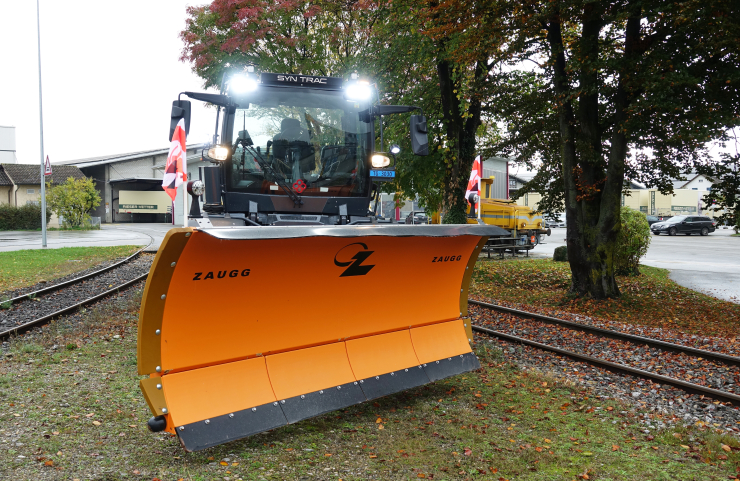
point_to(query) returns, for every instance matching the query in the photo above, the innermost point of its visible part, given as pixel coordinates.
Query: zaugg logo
(355, 268)
(447, 259)
(221, 274)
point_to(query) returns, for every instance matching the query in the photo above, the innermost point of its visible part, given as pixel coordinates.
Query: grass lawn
(27, 267)
(651, 299)
(76, 413)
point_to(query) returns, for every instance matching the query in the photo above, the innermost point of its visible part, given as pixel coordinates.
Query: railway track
(36, 308)
(619, 368)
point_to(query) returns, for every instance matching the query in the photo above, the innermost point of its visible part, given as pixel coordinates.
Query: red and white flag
(474, 182)
(175, 171)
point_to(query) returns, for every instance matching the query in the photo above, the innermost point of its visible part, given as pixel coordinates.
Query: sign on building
(144, 202)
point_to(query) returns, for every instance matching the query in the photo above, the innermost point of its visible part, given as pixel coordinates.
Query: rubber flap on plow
(248, 329)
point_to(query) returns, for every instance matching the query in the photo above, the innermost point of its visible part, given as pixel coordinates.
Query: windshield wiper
(279, 179)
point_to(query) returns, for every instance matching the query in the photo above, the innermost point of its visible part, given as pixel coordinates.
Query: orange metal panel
(214, 391)
(381, 354)
(308, 370)
(258, 300)
(440, 341)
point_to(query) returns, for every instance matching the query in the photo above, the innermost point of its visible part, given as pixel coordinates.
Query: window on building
(701, 180)
(30, 191)
(512, 183)
(694, 188)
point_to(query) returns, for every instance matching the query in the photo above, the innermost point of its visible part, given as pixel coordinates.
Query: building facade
(130, 185)
(20, 184)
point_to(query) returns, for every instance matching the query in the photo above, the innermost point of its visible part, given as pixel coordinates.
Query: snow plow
(283, 300)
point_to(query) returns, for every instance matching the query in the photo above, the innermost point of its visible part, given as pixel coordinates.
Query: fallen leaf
(379, 420)
(89, 415)
(49, 463)
(97, 423)
(615, 447)
(726, 448)
(467, 452)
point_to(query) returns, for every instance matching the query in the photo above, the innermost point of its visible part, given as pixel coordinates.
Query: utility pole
(42, 177)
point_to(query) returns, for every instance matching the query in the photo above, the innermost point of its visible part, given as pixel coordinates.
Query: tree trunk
(591, 206)
(460, 136)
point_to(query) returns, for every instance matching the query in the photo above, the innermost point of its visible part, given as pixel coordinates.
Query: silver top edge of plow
(292, 232)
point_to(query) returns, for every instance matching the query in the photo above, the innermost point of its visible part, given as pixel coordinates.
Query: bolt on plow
(246, 329)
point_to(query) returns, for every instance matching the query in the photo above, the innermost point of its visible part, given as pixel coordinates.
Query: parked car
(554, 223)
(684, 224)
(652, 219)
(417, 218)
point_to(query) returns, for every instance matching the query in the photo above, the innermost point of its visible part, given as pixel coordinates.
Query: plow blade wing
(243, 330)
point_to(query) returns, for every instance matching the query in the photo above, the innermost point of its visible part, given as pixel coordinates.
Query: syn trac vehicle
(260, 313)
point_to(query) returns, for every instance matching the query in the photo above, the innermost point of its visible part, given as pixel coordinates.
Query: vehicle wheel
(688, 233)
(704, 231)
(672, 231)
(656, 233)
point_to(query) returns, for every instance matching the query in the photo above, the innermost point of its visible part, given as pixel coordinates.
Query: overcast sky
(110, 72)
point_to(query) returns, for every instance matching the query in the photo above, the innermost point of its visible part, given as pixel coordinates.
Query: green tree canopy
(73, 200)
(619, 89)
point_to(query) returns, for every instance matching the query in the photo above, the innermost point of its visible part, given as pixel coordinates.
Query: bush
(72, 200)
(25, 217)
(561, 254)
(632, 242)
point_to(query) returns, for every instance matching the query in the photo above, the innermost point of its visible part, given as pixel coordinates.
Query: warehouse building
(130, 185)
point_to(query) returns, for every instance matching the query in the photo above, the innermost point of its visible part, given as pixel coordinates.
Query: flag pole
(185, 187)
(42, 170)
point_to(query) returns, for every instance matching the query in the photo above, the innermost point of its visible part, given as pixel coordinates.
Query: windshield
(674, 220)
(315, 141)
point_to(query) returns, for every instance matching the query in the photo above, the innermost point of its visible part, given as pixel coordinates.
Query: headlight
(242, 84)
(358, 91)
(218, 152)
(379, 160)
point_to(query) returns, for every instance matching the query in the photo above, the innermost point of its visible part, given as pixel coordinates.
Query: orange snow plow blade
(243, 330)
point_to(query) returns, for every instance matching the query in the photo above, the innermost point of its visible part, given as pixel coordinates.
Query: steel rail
(41, 320)
(666, 346)
(619, 368)
(56, 287)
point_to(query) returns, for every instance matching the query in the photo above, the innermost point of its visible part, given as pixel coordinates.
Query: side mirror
(180, 110)
(419, 138)
(244, 136)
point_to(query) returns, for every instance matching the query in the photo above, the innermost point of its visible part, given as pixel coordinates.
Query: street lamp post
(42, 172)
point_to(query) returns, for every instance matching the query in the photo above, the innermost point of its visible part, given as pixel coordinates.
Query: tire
(688, 233)
(672, 231)
(656, 233)
(704, 231)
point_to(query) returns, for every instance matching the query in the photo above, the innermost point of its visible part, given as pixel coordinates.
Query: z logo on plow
(355, 263)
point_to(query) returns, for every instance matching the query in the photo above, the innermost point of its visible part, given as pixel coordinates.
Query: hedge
(25, 217)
